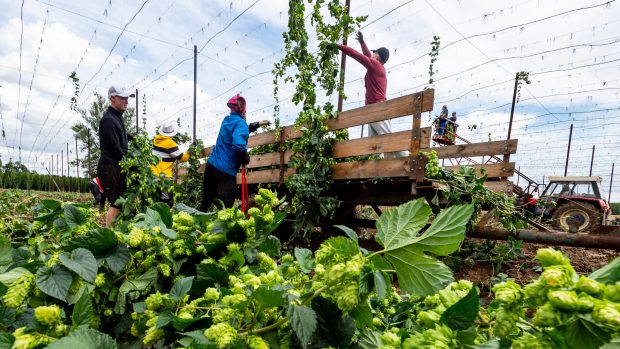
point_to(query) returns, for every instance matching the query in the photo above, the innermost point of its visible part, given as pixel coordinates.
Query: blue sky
(570, 48)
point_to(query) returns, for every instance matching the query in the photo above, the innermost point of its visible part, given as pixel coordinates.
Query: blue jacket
(231, 144)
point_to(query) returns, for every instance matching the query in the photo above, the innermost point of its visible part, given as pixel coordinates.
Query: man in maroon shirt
(375, 80)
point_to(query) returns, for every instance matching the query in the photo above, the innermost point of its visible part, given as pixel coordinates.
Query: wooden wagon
(387, 181)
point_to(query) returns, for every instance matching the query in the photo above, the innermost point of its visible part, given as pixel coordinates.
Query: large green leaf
(608, 274)
(269, 298)
(82, 262)
(10, 276)
(584, 333)
(303, 321)
(97, 241)
(164, 213)
(74, 216)
(6, 251)
(370, 339)
(399, 226)
(462, 314)
(447, 231)
(6, 340)
(54, 281)
(362, 315)
(117, 258)
(181, 288)
(84, 338)
(304, 258)
(271, 246)
(418, 273)
(333, 329)
(83, 312)
(350, 232)
(210, 275)
(140, 283)
(51, 204)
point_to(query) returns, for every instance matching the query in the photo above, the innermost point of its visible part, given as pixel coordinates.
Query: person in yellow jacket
(167, 150)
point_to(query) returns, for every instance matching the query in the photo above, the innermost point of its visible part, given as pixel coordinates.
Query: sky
(571, 49)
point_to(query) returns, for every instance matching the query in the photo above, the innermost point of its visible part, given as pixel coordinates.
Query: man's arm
(255, 125)
(109, 137)
(364, 60)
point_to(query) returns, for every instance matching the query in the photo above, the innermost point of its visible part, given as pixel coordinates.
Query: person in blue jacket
(229, 153)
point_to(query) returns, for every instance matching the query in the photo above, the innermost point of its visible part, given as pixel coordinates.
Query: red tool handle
(245, 199)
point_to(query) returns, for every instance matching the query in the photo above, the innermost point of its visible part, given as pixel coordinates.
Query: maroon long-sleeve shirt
(375, 79)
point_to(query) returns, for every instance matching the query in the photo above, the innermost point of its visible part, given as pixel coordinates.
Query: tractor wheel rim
(582, 218)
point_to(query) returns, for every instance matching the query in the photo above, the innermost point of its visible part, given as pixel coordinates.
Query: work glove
(243, 157)
(255, 125)
(331, 46)
(359, 37)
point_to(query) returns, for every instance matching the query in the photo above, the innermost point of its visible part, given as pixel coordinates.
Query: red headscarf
(233, 104)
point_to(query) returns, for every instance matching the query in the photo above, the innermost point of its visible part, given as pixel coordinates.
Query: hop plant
(440, 337)
(211, 294)
(558, 276)
(391, 338)
(508, 292)
(223, 334)
(157, 301)
(135, 236)
(100, 280)
(548, 257)
(589, 286)
(48, 315)
(18, 291)
(530, 341)
(548, 316)
(256, 342)
(505, 322)
(152, 335)
(564, 300)
(612, 292)
(607, 313)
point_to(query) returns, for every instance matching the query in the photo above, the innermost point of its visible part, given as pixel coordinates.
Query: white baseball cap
(119, 91)
(167, 130)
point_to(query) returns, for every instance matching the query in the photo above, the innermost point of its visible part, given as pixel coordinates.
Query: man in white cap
(168, 151)
(113, 143)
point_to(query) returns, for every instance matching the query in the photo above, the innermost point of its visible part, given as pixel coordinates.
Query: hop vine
(434, 53)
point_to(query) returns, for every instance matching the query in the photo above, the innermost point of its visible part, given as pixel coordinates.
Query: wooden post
(137, 128)
(343, 64)
(570, 138)
(506, 159)
(51, 173)
(195, 82)
(77, 165)
(62, 169)
(282, 150)
(68, 169)
(592, 159)
(90, 172)
(57, 167)
(611, 181)
(416, 165)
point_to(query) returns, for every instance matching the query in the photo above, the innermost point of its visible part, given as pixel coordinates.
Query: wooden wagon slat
(492, 170)
(477, 149)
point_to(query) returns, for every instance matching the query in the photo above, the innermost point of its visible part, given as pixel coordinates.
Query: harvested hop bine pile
(186, 279)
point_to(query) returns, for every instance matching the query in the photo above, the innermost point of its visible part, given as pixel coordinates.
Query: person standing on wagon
(375, 81)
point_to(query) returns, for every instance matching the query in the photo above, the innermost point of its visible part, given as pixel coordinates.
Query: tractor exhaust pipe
(607, 241)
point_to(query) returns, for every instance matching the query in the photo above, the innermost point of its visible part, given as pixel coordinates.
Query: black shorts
(112, 181)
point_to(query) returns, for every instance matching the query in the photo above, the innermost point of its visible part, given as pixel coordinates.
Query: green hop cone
(505, 322)
(223, 334)
(612, 292)
(548, 316)
(607, 313)
(585, 302)
(48, 315)
(530, 341)
(18, 291)
(152, 335)
(548, 257)
(589, 286)
(564, 300)
(256, 342)
(558, 276)
(211, 295)
(390, 339)
(508, 292)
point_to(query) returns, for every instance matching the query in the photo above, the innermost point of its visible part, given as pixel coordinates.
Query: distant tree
(14, 167)
(615, 208)
(90, 121)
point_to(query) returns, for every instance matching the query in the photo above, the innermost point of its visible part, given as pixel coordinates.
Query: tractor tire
(586, 214)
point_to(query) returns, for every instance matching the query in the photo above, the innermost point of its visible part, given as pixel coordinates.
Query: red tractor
(573, 203)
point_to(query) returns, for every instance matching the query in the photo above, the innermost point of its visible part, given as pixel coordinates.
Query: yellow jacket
(168, 151)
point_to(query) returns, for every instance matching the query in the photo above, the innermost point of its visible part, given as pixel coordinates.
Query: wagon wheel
(587, 216)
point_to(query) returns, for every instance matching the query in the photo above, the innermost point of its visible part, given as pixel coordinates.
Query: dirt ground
(525, 269)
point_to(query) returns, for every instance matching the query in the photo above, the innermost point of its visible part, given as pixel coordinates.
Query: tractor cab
(577, 199)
